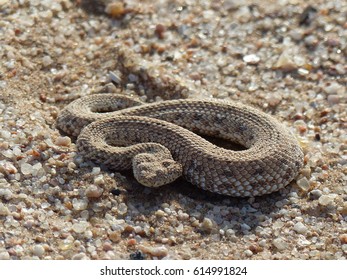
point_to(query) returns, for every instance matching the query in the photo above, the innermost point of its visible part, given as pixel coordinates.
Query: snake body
(159, 141)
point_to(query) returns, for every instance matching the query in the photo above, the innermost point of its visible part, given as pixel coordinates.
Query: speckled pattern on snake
(159, 141)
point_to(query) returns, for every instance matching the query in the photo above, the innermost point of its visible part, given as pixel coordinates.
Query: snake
(162, 141)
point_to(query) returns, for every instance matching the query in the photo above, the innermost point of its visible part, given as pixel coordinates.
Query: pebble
(93, 192)
(79, 204)
(248, 253)
(303, 184)
(207, 225)
(80, 227)
(38, 250)
(333, 88)
(4, 256)
(160, 213)
(47, 60)
(315, 194)
(4, 210)
(343, 238)
(7, 168)
(326, 199)
(300, 228)
(333, 99)
(115, 236)
(159, 252)
(122, 209)
(280, 243)
(63, 141)
(80, 256)
(26, 168)
(285, 63)
(251, 59)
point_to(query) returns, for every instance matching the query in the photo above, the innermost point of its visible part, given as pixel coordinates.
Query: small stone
(79, 204)
(207, 225)
(343, 238)
(122, 209)
(245, 227)
(107, 246)
(326, 199)
(285, 63)
(280, 243)
(8, 168)
(315, 194)
(311, 41)
(46, 61)
(115, 9)
(303, 72)
(4, 256)
(26, 168)
(80, 256)
(333, 99)
(80, 227)
(38, 250)
(93, 192)
(63, 141)
(115, 236)
(99, 180)
(159, 252)
(333, 88)
(251, 59)
(300, 228)
(248, 253)
(3, 210)
(303, 184)
(96, 170)
(160, 213)
(160, 31)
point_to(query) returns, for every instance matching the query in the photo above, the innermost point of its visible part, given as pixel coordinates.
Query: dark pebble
(115, 192)
(307, 15)
(138, 255)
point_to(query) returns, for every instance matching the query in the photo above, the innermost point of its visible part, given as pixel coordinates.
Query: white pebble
(248, 253)
(333, 88)
(4, 256)
(280, 243)
(326, 199)
(26, 168)
(93, 191)
(96, 170)
(80, 256)
(5, 134)
(47, 60)
(3, 210)
(251, 59)
(122, 208)
(38, 250)
(303, 184)
(79, 204)
(80, 227)
(300, 228)
(160, 251)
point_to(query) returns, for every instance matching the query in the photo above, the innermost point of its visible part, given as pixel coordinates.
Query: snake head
(152, 170)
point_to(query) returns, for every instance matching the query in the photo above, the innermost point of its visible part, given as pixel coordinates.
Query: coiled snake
(159, 141)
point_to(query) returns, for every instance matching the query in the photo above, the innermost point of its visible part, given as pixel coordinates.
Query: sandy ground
(285, 57)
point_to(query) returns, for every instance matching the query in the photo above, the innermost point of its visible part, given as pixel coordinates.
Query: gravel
(287, 58)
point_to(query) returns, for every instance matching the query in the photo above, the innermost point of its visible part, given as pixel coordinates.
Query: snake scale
(160, 142)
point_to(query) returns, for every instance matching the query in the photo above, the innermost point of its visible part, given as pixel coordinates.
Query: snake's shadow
(243, 215)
